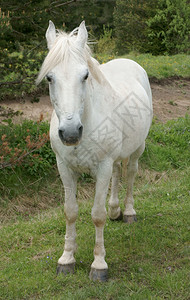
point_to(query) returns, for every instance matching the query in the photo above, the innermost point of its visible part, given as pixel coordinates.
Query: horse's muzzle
(70, 136)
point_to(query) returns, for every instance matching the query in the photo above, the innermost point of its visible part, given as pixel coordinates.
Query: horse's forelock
(65, 44)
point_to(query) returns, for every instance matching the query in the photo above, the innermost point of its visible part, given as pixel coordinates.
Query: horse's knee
(99, 217)
(114, 210)
(71, 212)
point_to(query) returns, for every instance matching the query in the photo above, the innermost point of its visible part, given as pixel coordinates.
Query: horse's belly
(135, 136)
(135, 113)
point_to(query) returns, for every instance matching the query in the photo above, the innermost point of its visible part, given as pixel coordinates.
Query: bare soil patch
(171, 99)
(27, 109)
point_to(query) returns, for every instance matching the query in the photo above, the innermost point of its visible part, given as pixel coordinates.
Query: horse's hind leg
(129, 213)
(114, 210)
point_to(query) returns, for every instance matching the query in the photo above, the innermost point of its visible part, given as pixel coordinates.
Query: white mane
(63, 47)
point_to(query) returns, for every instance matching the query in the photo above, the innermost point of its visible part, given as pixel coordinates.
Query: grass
(168, 145)
(160, 67)
(147, 260)
(164, 66)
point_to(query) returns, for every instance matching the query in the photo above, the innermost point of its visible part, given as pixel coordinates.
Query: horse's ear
(50, 34)
(82, 36)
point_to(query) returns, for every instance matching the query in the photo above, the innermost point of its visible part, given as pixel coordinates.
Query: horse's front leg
(66, 262)
(99, 267)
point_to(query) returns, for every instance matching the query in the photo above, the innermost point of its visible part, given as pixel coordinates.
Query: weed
(171, 102)
(26, 143)
(25, 155)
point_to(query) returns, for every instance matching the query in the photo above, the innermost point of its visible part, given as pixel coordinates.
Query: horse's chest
(103, 141)
(83, 158)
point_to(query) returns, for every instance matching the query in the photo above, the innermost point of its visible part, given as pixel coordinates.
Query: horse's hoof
(119, 218)
(66, 269)
(99, 275)
(129, 219)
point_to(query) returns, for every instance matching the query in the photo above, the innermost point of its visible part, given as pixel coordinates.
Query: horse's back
(126, 74)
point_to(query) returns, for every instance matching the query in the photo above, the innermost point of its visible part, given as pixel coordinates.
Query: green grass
(164, 66)
(168, 145)
(147, 260)
(159, 67)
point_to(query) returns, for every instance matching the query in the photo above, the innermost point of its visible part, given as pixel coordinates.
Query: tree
(130, 24)
(169, 28)
(23, 26)
(160, 28)
(28, 20)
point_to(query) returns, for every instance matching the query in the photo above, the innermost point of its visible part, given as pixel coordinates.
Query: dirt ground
(171, 99)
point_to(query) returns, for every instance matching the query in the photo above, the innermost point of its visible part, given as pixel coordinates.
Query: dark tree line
(26, 21)
(119, 26)
(156, 26)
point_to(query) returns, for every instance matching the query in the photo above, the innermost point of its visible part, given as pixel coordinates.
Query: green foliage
(135, 26)
(130, 24)
(19, 71)
(169, 29)
(106, 43)
(27, 21)
(160, 28)
(25, 156)
(27, 65)
(22, 36)
(25, 147)
(105, 47)
(168, 145)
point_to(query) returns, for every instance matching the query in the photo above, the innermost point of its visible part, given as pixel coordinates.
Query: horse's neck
(99, 97)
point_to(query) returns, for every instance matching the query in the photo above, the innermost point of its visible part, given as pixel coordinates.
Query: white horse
(102, 114)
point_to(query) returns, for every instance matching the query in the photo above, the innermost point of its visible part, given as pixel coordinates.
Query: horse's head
(66, 70)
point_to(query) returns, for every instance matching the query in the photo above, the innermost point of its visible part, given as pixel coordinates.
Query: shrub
(106, 43)
(26, 147)
(19, 71)
(105, 47)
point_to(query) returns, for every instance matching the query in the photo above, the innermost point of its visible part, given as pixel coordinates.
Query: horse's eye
(86, 76)
(49, 78)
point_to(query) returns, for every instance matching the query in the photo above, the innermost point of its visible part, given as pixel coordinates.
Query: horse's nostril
(80, 130)
(61, 133)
